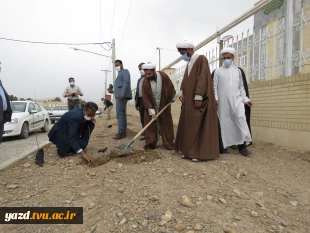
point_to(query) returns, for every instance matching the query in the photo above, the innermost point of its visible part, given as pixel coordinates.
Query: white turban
(148, 66)
(228, 50)
(185, 45)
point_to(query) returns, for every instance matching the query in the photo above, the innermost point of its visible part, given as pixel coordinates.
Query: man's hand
(216, 103)
(93, 119)
(198, 103)
(182, 99)
(154, 116)
(77, 93)
(122, 96)
(68, 94)
(249, 103)
(88, 158)
(137, 108)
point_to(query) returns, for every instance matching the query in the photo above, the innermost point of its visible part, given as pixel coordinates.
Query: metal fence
(275, 49)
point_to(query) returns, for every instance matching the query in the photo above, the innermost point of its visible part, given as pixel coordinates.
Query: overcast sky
(29, 69)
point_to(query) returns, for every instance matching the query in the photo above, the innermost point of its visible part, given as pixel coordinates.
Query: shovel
(127, 149)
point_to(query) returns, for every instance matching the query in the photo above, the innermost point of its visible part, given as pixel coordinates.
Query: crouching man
(72, 132)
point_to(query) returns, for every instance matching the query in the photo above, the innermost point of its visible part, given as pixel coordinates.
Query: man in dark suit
(72, 132)
(122, 92)
(138, 98)
(5, 109)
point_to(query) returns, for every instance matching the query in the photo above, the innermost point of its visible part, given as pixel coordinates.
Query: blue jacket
(71, 132)
(5, 116)
(122, 84)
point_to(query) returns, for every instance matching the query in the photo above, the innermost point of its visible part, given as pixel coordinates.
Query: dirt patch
(130, 133)
(99, 161)
(138, 156)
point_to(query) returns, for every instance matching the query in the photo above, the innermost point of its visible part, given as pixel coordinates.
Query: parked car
(49, 109)
(98, 112)
(57, 113)
(27, 116)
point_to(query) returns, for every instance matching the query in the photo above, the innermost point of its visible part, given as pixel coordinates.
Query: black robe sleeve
(247, 108)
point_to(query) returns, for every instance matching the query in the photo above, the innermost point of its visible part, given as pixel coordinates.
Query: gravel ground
(12, 146)
(159, 192)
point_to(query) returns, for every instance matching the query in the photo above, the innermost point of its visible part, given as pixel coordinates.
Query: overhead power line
(109, 44)
(112, 20)
(125, 24)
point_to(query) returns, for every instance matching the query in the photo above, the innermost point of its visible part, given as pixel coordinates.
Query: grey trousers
(73, 104)
(121, 115)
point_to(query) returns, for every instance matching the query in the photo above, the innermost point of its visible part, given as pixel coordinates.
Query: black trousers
(1, 130)
(141, 111)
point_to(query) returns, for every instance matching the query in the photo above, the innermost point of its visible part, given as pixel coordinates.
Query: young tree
(57, 99)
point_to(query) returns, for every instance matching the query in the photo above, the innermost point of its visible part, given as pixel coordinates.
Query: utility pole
(113, 70)
(159, 58)
(106, 81)
(113, 60)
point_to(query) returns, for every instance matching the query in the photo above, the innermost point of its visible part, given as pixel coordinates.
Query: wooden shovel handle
(153, 119)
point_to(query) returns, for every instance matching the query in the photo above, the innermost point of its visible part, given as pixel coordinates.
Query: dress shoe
(245, 152)
(196, 160)
(119, 136)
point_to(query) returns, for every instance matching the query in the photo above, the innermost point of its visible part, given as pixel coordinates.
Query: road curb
(22, 155)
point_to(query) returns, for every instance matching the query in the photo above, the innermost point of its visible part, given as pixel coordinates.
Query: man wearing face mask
(122, 92)
(72, 132)
(73, 92)
(139, 99)
(157, 91)
(231, 98)
(197, 135)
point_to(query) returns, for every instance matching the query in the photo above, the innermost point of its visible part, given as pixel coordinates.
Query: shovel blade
(124, 148)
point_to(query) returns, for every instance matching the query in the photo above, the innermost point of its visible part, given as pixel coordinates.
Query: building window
(242, 59)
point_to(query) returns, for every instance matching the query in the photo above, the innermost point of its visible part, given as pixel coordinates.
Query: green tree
(12, 98)
(28, 99)
(57, 99)
(22, 99)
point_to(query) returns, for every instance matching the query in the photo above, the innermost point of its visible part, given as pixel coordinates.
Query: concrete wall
(281, 112)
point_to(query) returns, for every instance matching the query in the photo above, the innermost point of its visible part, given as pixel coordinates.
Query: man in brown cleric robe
(157, 92)
(197, 135)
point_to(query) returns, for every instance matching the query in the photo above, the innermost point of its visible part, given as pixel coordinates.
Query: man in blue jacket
(72, 132)
(5, 109)
(122, 92)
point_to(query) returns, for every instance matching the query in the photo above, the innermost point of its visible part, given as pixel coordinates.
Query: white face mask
(87, 118)
(142, 72)
(118, 68)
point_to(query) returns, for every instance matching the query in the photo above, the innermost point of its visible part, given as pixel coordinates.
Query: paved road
(13, 146)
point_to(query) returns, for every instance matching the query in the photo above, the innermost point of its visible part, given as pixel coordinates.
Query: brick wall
(282, 103)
